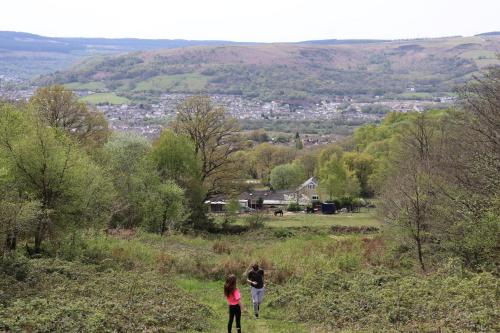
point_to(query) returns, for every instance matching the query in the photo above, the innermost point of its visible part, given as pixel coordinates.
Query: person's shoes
(256, 316)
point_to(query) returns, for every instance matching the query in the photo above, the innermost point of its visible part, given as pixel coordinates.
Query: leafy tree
(50, 167)
(287, 176)
(336, 180)
(134, 177)
(231, 212)
(363, 165)
(309, 160)
(18, 214)
(175, 158)
(60, 108)
(266, 156)
(165, 208)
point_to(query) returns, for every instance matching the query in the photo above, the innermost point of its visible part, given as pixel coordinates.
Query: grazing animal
(310, 210)
(278, 212)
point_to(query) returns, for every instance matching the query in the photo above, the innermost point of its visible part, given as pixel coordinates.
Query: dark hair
(255, 267)
(230, 285)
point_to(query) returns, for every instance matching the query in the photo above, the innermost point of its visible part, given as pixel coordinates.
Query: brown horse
(278, 212)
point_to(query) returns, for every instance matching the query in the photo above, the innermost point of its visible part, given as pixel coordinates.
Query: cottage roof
(312, 180)
(265, 195)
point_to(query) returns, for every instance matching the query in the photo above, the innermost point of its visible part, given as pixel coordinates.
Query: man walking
(256, 279)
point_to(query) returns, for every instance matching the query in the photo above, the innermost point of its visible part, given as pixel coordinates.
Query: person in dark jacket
(255, 277)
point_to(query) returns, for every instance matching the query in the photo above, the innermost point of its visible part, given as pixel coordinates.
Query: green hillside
(294, 71)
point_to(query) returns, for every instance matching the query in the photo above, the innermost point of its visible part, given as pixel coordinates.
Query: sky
(251, 20)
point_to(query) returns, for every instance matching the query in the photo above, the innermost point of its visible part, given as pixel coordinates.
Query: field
(102, 98)
(317, 280)
(296, 220)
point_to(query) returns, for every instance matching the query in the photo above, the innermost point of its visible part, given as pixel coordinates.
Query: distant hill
(27, 55)
(492, 33)
(308, 71)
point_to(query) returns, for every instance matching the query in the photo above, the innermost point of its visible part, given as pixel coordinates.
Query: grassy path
(210, 294)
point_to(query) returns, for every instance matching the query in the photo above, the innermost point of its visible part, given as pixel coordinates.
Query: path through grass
(210, 293)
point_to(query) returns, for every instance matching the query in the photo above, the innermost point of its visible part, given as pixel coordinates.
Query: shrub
(283, 233)
(255, 220)
(15, 266)
(380, 301)
(70, 297)
(294, 207)
(221, 247)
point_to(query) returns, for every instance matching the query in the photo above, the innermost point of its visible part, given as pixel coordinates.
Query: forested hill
(307, 71)
(25, 55)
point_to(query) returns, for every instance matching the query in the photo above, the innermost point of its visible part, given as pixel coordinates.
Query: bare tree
(60, 108)
(215, 137)
(409, 194)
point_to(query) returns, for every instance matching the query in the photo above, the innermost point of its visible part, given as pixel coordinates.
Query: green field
(102, 98)
(180, 82)
(416, 95)
(294, 220)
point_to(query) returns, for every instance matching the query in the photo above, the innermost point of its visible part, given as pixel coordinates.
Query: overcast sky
(251, 20)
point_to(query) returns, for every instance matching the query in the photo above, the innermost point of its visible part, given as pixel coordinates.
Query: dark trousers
(234, 311)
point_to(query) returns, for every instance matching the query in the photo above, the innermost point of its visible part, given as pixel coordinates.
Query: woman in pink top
(234, 300)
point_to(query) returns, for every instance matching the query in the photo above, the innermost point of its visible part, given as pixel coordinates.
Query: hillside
(309, 71)
(26, 55)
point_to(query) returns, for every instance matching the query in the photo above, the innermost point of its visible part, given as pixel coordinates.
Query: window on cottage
(315, 197)
(311, 186)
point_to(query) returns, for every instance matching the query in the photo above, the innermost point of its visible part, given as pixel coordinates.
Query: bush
(14, 266)
(69, 297)
(283, 233)
(255, 220)
(380, 301)
(294, 207)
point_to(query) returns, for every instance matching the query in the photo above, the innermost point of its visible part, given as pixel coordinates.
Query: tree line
(62, 170)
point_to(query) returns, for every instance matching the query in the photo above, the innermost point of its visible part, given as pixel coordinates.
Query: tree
(479, 134)
(165, 208)
(60, 108)
(287, 176)
(336, 180)
(409, 195)
(18, 213)
(362, 165)
(266, 156)
(309, 160)
(134, 176)
(216, 140)
(175, 159)
(232, 210)
(50, 167)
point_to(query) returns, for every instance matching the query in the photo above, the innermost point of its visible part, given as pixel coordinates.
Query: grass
(102, 98)
(294, 220)
(174, 83)
(209, 293)
(415, 95)
(130, 280)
